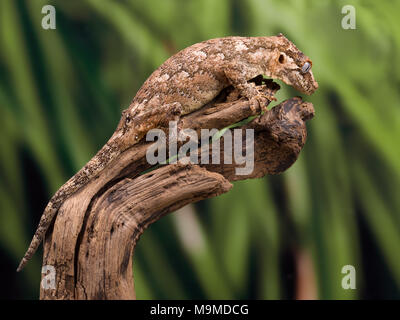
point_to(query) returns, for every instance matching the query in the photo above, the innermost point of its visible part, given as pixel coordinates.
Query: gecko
(185, 82)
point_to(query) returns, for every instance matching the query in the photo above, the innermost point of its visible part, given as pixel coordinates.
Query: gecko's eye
(306, 67)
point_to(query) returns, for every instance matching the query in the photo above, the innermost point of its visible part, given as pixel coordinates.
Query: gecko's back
(194, 75)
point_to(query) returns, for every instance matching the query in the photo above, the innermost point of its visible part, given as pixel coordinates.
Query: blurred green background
(281, 237)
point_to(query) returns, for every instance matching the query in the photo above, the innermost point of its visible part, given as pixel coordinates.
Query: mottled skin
(186, 82)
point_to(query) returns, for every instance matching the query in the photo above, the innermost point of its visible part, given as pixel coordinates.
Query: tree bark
(92, 240)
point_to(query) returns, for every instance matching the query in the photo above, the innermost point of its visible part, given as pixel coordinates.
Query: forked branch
(94, 236)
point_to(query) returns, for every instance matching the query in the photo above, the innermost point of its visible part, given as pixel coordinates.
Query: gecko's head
(289, 64)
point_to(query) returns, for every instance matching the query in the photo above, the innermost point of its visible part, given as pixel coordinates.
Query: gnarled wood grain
(93, 238)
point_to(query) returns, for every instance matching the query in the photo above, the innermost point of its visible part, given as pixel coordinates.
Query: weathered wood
(121, 215)
(93, 238)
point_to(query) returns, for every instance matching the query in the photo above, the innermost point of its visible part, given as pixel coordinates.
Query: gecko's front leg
(258, 98)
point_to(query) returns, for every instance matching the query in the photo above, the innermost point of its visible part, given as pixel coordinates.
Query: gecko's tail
(81, 178)
(44, 223)
(29, 253)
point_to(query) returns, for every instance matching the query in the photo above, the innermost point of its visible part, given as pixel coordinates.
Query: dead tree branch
(94, 235)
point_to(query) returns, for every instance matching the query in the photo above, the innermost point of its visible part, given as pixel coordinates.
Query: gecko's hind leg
(134, 128)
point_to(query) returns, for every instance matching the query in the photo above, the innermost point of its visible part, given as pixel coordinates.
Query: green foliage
(61, 93)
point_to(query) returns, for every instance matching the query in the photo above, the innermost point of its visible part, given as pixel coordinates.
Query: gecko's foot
(269, 96)
(255, 105)
(266, 92)
(260, 102)
(259, 96)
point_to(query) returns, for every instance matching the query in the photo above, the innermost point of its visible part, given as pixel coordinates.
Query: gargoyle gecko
(187, 81)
